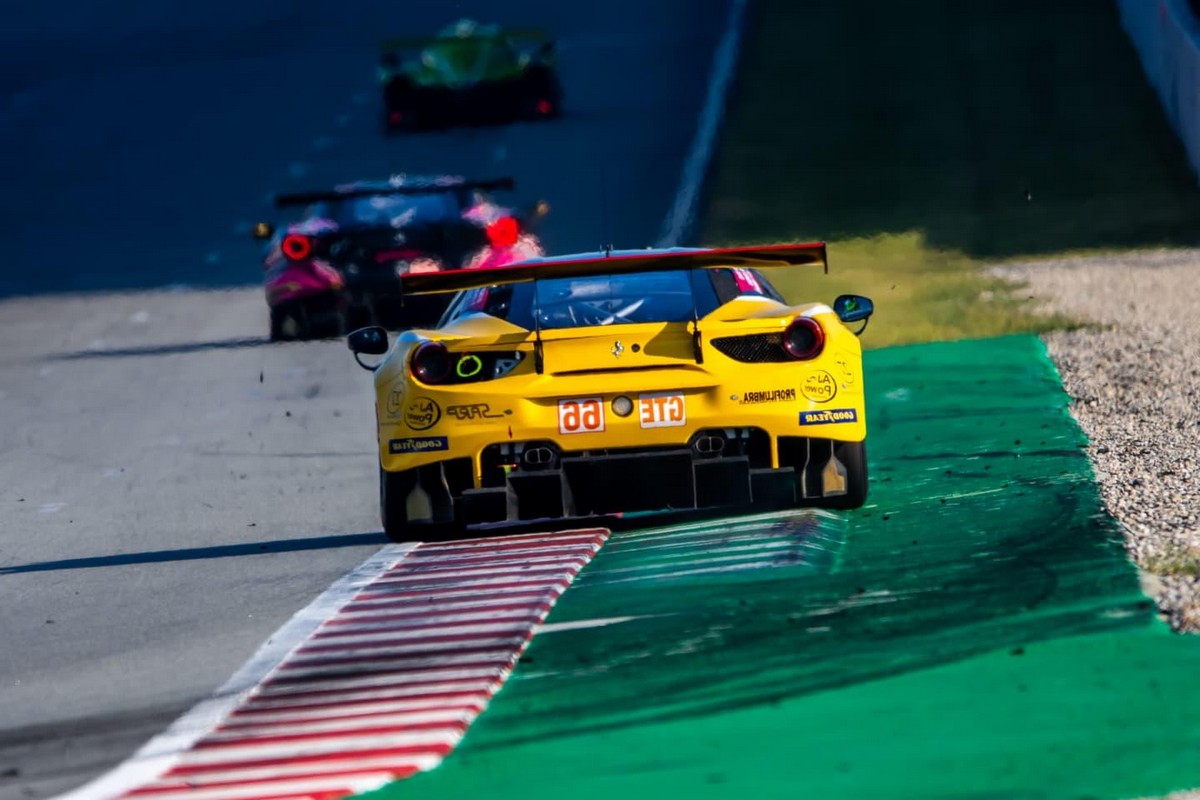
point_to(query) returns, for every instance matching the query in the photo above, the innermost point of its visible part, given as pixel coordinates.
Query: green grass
(921, 293)
(908, 134)
(1179, 562)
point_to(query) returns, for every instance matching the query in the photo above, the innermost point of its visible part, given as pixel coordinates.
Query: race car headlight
(430, 362)
(622, 406)
(804, 339)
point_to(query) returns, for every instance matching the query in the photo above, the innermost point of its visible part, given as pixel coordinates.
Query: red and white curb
(377, 679)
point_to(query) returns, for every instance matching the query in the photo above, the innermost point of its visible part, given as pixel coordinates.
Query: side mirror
(263, 231)
(854, 308)
(371, 341)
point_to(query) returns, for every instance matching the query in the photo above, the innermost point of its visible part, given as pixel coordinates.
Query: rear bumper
(580, 485)
(483, 102)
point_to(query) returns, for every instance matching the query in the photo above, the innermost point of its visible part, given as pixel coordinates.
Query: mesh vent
(756, 348)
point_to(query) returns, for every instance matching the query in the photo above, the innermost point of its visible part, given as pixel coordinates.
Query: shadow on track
(201, 553)
(166, 349)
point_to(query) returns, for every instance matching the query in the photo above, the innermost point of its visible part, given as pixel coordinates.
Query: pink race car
(338, 267)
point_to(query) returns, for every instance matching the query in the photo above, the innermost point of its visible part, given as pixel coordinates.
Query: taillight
(431, 362)
(296, 246)
(804, 339)
(503, 232)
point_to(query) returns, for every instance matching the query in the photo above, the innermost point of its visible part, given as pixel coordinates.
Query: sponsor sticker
(475, 411)
(422, 414)
(418, 444)
(828, 416)
(845, 367)
(819, 386)
(395, 401)
(767, 396)
(581, 415)
(662, 410)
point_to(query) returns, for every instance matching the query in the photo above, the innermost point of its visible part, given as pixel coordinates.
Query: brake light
(430, 362)
(804, 339)
(296, 246)
(544, 107)
(503, 232)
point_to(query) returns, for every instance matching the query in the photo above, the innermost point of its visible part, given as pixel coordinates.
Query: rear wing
(623, 263)
(410, 43)
(427, 187)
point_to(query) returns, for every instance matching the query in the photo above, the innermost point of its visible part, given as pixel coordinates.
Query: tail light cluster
(802, 340)
(503, 232)
(432, 364)
(296, 246)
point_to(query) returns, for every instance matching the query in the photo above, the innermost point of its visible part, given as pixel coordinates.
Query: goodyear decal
(819, 386)
(828, 416)
(422, 414)
(768, 396)
(418, 444)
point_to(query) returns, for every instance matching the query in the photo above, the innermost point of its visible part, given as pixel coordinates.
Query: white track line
(369, 683)
(679, 219)
(163, 751)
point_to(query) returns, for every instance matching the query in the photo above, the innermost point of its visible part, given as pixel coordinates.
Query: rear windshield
(593, 300)
(394, 210)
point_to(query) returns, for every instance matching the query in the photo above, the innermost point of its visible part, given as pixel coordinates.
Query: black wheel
(394, 490)
(357, 316)
(853, 456)
(403, 109)
(542, 94)
(289, 323)
(327, 327)
(276, 325)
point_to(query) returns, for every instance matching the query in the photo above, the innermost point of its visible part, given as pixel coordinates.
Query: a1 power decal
(581, 415)
(662, 410)
(819, 386)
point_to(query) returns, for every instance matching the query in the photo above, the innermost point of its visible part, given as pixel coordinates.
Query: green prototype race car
(469, 74)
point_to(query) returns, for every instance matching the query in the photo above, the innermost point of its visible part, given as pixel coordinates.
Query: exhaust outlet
(709, 445)
(538, 456)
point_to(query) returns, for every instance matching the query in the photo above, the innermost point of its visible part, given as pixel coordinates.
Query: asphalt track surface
(173, 486)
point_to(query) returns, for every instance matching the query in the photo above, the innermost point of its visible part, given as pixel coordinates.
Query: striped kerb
(389, 684)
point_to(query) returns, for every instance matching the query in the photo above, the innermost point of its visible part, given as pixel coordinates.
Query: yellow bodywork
(653, 365)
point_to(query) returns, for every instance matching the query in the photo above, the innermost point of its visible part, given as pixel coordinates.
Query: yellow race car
(626, 381)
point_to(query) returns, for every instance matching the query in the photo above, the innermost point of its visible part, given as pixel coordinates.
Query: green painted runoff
(975, 631)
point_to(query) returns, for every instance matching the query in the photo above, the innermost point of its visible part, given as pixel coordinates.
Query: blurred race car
(468, 74)
(338, 267)
(597, 385)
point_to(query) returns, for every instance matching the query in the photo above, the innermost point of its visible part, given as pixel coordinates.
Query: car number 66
(581, 415)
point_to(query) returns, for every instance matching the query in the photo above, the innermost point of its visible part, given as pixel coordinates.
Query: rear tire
(393, 501)
(404, 107)
(289, 323)
(357, 316)
(853, 456)
(540, 85)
